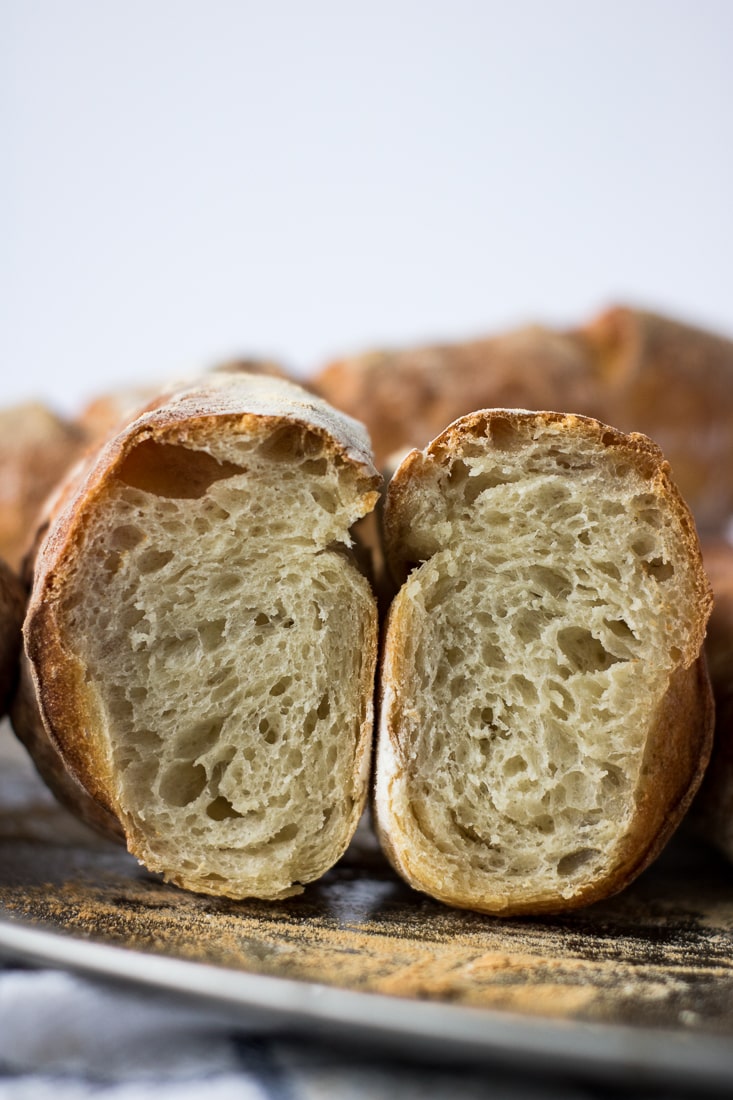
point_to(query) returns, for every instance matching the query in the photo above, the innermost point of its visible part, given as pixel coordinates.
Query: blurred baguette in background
(635, 370)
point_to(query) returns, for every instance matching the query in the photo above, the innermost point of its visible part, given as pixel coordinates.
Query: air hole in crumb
(561, 701)
(515, 765)
(503, 433)
(315, 466)
(171, 470)
(126, 537)
(643, 546)
(111, 564)
(612, 778)
(201, 737)
(279, 687)
(212, 634)
(310, 723)
(527, 626)
(659, 569)
(224, 582)
(551, 580)
(146, 739)
(492, 655)
(487, 716)
(151, 561)
(584, 652)
(568, 461)
(221, 809)
(651, 517)
(182, 783)
(574, 861)
(480, 483)
(621, 629)
(608, 569)
(325, 499)
(525, 687)
(130, 617)
(288, 832)
(288, 444)
(458, 473)
(324, 707)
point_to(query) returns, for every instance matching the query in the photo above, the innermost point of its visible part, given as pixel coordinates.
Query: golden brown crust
(627, 367)
(674, 382)
(12, 609)
(55, 711)
(679, 738)
(51, 764)
(108, 413)
(37, 448)
(406, 397)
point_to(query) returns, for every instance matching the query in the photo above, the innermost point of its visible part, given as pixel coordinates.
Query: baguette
(200, 645)
(637, 370)
(37, 448)
(545, 714)
(406, 397)
(673, 382)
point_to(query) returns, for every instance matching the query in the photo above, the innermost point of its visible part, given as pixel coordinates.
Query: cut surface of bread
(545, 714)
(201, 642)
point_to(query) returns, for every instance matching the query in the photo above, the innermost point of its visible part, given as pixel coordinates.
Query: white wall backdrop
(183, 180)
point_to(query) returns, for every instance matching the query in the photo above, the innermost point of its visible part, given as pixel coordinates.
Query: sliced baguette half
(200, 644)
(546, 714)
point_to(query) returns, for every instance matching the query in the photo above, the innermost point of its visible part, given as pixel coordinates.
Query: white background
(184, 180)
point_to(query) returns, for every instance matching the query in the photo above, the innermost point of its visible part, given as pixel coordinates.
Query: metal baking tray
(638, 988)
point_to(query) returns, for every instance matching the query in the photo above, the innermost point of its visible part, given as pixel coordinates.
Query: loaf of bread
(673, 382)
(406, 397)
(107, 413)
(627, 367)
(37, 448)
(200, 644)
(12, 606)
(713, 811)
(546, 714)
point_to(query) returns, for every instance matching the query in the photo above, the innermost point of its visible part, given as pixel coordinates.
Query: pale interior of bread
(225, 632)
(531, 651)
